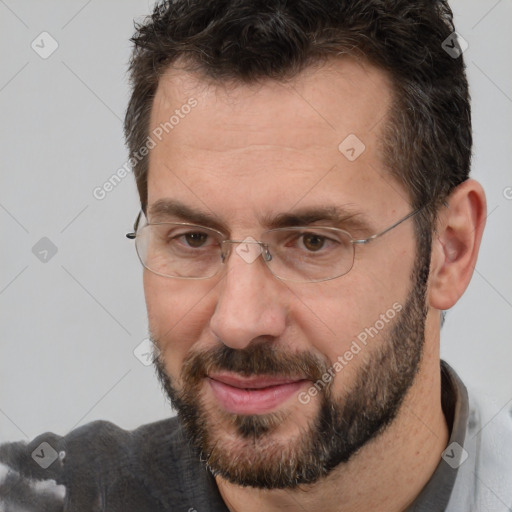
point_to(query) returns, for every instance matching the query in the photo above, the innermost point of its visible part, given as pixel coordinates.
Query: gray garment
(100, 467)
(475, 470)
(104, 468)
(484, 479)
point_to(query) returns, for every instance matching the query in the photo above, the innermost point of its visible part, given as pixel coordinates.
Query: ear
(455, 244)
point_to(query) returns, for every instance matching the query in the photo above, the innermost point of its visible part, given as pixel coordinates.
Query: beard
(246, 450)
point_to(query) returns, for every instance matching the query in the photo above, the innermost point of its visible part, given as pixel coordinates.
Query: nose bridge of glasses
(248, 249)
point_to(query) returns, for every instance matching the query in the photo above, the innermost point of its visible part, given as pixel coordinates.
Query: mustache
(257, 359)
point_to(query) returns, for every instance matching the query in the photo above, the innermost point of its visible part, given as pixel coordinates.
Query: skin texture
(246, 152)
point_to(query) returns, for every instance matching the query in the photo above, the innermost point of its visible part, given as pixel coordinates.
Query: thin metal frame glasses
(303, 254)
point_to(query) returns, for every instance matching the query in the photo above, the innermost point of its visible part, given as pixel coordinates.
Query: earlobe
(455, 244)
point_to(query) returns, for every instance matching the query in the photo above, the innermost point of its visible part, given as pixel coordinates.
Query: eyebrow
(337, 216)
(163, 209)
(345, 217)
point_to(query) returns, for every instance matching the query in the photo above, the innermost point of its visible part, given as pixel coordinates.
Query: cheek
(351, 317)
(178, 314)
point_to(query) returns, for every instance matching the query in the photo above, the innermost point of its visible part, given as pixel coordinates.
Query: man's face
(240, 352)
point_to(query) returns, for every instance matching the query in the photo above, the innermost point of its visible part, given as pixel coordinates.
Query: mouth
(253, 395)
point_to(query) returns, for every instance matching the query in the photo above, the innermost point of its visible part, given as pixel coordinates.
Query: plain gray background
(70, 321)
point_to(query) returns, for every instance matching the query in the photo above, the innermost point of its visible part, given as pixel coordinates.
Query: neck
(386, 474)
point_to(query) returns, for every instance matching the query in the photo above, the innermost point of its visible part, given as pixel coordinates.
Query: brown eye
(196, 239)
(313, 242)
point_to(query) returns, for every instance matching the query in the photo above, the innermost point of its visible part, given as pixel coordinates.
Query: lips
(253, 395)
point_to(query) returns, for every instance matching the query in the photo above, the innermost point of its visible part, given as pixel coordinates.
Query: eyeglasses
(303, 254)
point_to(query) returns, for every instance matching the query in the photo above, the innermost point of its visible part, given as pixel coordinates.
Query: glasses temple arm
(377, 235)
(132, 235)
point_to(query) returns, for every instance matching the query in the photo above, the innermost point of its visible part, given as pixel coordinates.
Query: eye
(195, 239)
(190, 238)
(313, 242)
(317, 241)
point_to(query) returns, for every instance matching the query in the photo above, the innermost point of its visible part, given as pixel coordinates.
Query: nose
(250, 301)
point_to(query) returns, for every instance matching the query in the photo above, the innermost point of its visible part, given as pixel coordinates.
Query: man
(306, 217)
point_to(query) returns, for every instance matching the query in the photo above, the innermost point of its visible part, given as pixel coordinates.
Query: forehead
(344, 95)
(237, 149)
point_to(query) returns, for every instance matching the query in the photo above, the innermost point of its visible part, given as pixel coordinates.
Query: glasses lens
(300, 254)
(308, 254)
(179, 250)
